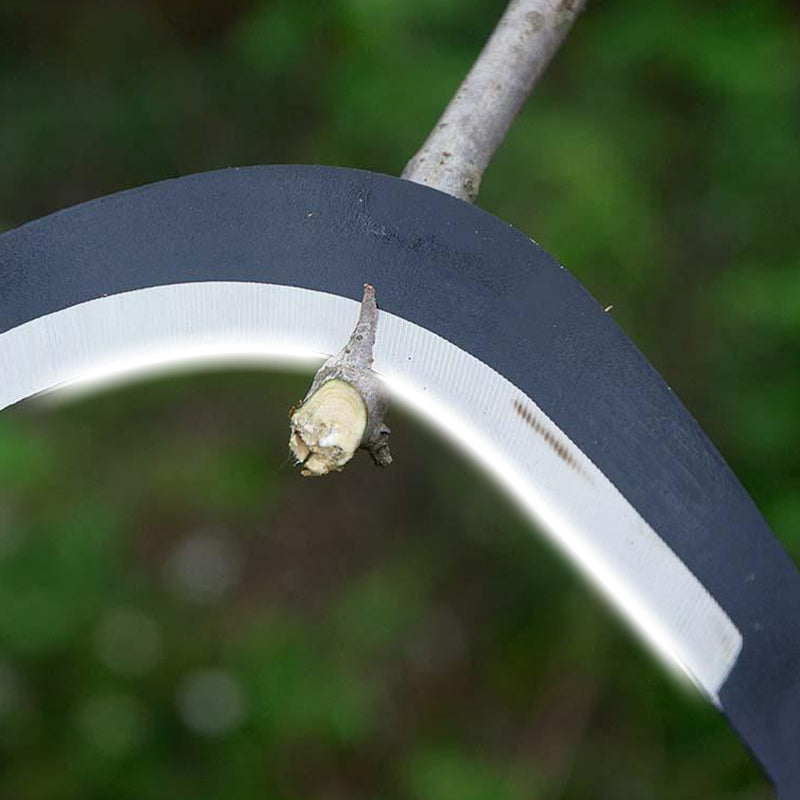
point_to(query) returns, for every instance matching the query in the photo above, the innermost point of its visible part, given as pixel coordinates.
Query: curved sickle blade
(482, 330)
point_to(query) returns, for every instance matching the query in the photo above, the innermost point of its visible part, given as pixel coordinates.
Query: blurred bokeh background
(182, 616)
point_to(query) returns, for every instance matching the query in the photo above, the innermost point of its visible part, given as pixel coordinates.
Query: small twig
(345, 407)
(476, 121)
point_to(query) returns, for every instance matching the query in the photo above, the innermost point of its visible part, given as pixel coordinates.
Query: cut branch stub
(345, 408)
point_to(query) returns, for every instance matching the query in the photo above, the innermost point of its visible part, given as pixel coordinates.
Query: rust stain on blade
(561, 449)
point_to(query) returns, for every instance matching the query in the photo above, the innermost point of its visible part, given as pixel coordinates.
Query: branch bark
(477, 119)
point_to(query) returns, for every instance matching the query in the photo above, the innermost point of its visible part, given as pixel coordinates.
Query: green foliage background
(381, 635)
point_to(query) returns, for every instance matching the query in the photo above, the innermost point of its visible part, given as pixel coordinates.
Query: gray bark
(476, 121)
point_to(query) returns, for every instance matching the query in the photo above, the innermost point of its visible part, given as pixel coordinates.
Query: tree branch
(476, 121)
(345, 407)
